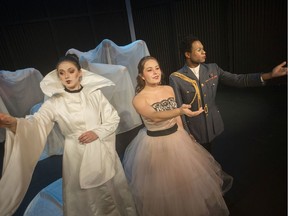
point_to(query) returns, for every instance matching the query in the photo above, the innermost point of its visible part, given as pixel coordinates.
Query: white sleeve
(22, 151)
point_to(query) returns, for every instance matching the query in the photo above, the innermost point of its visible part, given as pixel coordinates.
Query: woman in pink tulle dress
(169, 173)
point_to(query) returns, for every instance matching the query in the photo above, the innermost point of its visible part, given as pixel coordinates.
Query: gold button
(202, 84)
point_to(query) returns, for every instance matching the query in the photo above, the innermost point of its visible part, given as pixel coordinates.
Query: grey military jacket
(209, 124)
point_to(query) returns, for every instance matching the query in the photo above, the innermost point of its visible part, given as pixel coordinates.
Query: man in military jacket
(196, 84)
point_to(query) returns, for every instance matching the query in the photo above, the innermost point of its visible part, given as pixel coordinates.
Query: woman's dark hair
(71, 58)
(140, 82)
(186, 44)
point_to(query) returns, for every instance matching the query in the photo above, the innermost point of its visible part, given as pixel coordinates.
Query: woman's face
(151, 72)
(69, 75)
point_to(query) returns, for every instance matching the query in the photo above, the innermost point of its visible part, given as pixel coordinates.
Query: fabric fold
(97, 166)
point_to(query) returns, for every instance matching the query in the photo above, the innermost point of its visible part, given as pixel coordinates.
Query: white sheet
(48, 202)
(109, 53)
(19, 91)
(120, 95)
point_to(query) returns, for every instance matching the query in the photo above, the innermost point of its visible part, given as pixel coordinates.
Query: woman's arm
(145, 109)
(109, 116)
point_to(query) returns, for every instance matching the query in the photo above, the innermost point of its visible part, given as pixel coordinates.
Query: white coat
(89, 170)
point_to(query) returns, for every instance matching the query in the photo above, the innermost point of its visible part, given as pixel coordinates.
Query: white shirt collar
(195, 71)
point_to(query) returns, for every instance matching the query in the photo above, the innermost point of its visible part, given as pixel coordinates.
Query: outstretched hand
(5, 120)
(279, 70)
(8, 121)
(185, 109)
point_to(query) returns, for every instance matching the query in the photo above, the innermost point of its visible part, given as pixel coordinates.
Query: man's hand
(279, 70)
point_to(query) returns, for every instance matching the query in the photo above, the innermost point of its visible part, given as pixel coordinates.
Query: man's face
(197, 54)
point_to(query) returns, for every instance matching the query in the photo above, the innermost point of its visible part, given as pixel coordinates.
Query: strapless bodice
(166, 104)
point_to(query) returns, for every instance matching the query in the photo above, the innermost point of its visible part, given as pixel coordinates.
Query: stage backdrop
(241, 36)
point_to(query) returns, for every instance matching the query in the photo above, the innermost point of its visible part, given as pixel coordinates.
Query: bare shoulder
(138, 99)
(168, 88)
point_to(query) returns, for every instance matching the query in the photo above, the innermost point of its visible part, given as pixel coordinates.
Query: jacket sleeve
(239, 80)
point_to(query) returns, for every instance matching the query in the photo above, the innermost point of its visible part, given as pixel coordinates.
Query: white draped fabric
(48, 202)
(120, 95)
(20, 96)
(109, 53)
(55, 140)
(19, 91)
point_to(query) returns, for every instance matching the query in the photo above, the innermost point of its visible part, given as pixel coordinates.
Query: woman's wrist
(181, 112)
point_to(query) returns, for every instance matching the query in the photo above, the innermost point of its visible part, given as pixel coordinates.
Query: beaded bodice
(163, 105)
(166, 104)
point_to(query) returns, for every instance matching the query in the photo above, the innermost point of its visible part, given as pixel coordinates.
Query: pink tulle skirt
(174, 176)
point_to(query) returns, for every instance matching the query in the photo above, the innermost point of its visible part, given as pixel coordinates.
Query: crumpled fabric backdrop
(108, 52)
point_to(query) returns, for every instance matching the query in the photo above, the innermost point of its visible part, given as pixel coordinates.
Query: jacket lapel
(203, 74)
(187, 72)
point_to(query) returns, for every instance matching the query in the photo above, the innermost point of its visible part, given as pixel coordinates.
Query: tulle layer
(174, 176)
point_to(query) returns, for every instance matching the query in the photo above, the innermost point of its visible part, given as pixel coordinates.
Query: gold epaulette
(194, 84)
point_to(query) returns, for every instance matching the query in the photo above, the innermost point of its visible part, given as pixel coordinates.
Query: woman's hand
(185, 109)
(88, 137)
(8, 121)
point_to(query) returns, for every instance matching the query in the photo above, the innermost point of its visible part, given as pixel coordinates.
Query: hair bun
(70, 55)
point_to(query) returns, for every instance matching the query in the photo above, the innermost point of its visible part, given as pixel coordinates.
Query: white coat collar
(52, 85)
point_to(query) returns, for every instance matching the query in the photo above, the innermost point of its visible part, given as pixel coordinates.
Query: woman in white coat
(93, 179)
